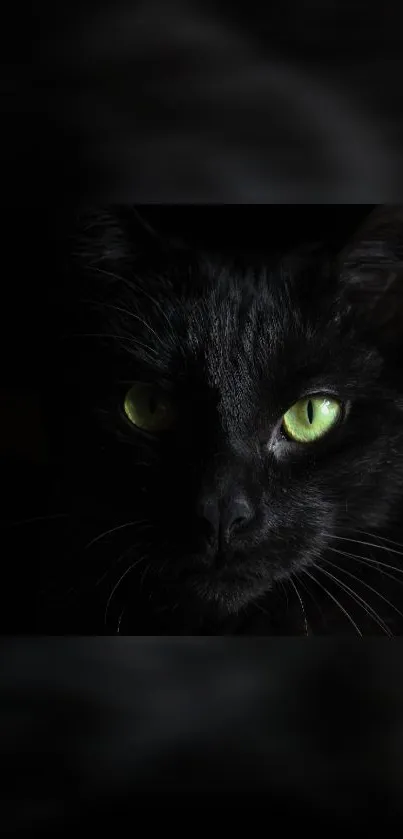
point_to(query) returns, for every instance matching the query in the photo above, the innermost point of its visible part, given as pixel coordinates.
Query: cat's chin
(222, 596)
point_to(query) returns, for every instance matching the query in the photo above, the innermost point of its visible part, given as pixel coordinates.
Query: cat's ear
(112, 235)
(371, 273)
(122, 236)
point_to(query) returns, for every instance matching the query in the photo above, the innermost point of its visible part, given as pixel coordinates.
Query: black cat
(236, 425)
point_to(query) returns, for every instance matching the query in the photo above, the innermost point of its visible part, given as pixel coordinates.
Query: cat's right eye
(149, 408)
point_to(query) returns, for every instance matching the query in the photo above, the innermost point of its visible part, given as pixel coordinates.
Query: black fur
(236, 340)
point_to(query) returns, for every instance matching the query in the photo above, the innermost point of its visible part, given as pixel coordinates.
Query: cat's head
(257, 404)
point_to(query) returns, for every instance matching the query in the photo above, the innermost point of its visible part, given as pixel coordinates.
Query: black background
(328, 738)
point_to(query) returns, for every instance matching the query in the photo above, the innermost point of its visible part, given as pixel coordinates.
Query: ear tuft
(371, 273)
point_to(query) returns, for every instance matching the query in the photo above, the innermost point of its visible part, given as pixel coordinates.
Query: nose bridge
(224, 474)
(225, 504)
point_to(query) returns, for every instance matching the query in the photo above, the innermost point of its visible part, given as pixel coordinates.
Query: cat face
(259, 414)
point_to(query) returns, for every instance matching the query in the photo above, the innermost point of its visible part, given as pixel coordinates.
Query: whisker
(301, 604)
(111, 274)
(143, 292)
(261, 609)
(146, 225)
(132, 341)
(162, 567)
(382, 538)
(369, 533)
(354, 577)
(124, 312)
(368, 560)
(120, 620)
(114, 530)
(367, 544)
(119, 582)
(311, 595)
(373, 564)
(114, 565)
(359, 600)
(337, 602)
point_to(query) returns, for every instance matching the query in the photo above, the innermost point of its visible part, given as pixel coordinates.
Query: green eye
(149, 408)
(311, 418)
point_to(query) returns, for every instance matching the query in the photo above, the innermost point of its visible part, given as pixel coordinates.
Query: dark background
(216, 102)
(179, 100)
(125, 734)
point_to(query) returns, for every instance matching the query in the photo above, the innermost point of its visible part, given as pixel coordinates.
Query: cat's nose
(225, 519)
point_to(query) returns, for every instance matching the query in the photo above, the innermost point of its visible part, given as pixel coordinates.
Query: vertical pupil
(310, 411)
(152, 404)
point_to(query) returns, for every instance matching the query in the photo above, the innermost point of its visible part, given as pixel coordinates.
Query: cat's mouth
(226, 585)
(222, 583)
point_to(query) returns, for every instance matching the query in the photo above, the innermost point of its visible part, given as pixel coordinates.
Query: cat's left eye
(311, 418)
(149, 408)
